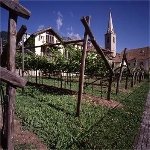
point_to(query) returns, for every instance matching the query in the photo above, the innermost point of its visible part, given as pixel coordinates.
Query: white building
(25, 37)
(45, 36)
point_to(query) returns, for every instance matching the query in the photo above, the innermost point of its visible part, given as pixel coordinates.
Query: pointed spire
(110, 25)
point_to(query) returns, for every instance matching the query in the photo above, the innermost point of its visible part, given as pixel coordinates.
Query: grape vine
(59, 62)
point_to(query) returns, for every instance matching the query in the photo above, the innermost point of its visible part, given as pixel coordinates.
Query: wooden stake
(61, 80)
(36, 76)
(97, 47)
(11, 66)
(81, 79)
(109, 87)
(126, 84)
(22, 61)
(120, 74)
(1, 47)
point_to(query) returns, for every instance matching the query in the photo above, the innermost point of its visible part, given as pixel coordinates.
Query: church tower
(110, 37)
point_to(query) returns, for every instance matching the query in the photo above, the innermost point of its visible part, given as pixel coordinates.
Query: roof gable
(138, 53)
(50, 30)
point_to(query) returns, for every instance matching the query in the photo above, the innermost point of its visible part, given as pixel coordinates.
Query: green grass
(88, 89)
(19, 146)
(52, 117)
(119, 127)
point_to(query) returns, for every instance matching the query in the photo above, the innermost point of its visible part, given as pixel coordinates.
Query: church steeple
(110, 25)
(110, 37)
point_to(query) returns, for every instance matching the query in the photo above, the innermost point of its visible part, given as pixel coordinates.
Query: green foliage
(30, 42)
(74, 60)
(118, 125)
(51, 117)
(19, 146)
(94, 63)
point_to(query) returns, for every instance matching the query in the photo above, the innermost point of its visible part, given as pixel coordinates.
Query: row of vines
(59, 62)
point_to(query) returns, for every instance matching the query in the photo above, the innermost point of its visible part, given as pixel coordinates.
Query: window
(49, 38)
(39, 37)
(114, 39)
(141, 63)
(108, 40)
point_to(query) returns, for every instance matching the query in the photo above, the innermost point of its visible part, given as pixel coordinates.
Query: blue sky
(130, 19)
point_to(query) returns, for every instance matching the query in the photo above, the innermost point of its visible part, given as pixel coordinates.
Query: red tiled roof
(91, 48)
(138, 54)
(48, 29)
(117, 58)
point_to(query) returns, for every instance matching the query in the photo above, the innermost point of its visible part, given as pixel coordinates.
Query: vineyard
(64, 73)
(49, 103)
(78, 101)
(51, 115)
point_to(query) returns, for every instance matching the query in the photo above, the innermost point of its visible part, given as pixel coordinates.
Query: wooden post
(4, 54)
(109, 87)
(22, 61)
(70, 80)
(132, 80)
(36, 76)
(11, 66)
(61, 80)
(1, 47)
(136, 77)
(140, 77)
(97, 47)
(120, 74)
(101, 87)
(20, 33)
(81, 78)
(126, 84)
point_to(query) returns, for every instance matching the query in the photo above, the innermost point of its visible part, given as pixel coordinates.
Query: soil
(95, 100)
(24, 137)
(27, 137)
(122, 90)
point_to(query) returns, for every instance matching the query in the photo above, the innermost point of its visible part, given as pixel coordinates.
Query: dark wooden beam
(125, 58)
(82, 69)
(83, 20)
(1, 47)
(121, 70)
(20, 33)
(12, 78)
(22, 61)
(3, 56)
(11, 65)
(98, 49)
(16, 8)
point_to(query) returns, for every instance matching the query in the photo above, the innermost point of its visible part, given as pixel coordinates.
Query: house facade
(46, 36)
(138, 57)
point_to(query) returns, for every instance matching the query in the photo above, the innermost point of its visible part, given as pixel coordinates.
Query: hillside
(3, 35)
